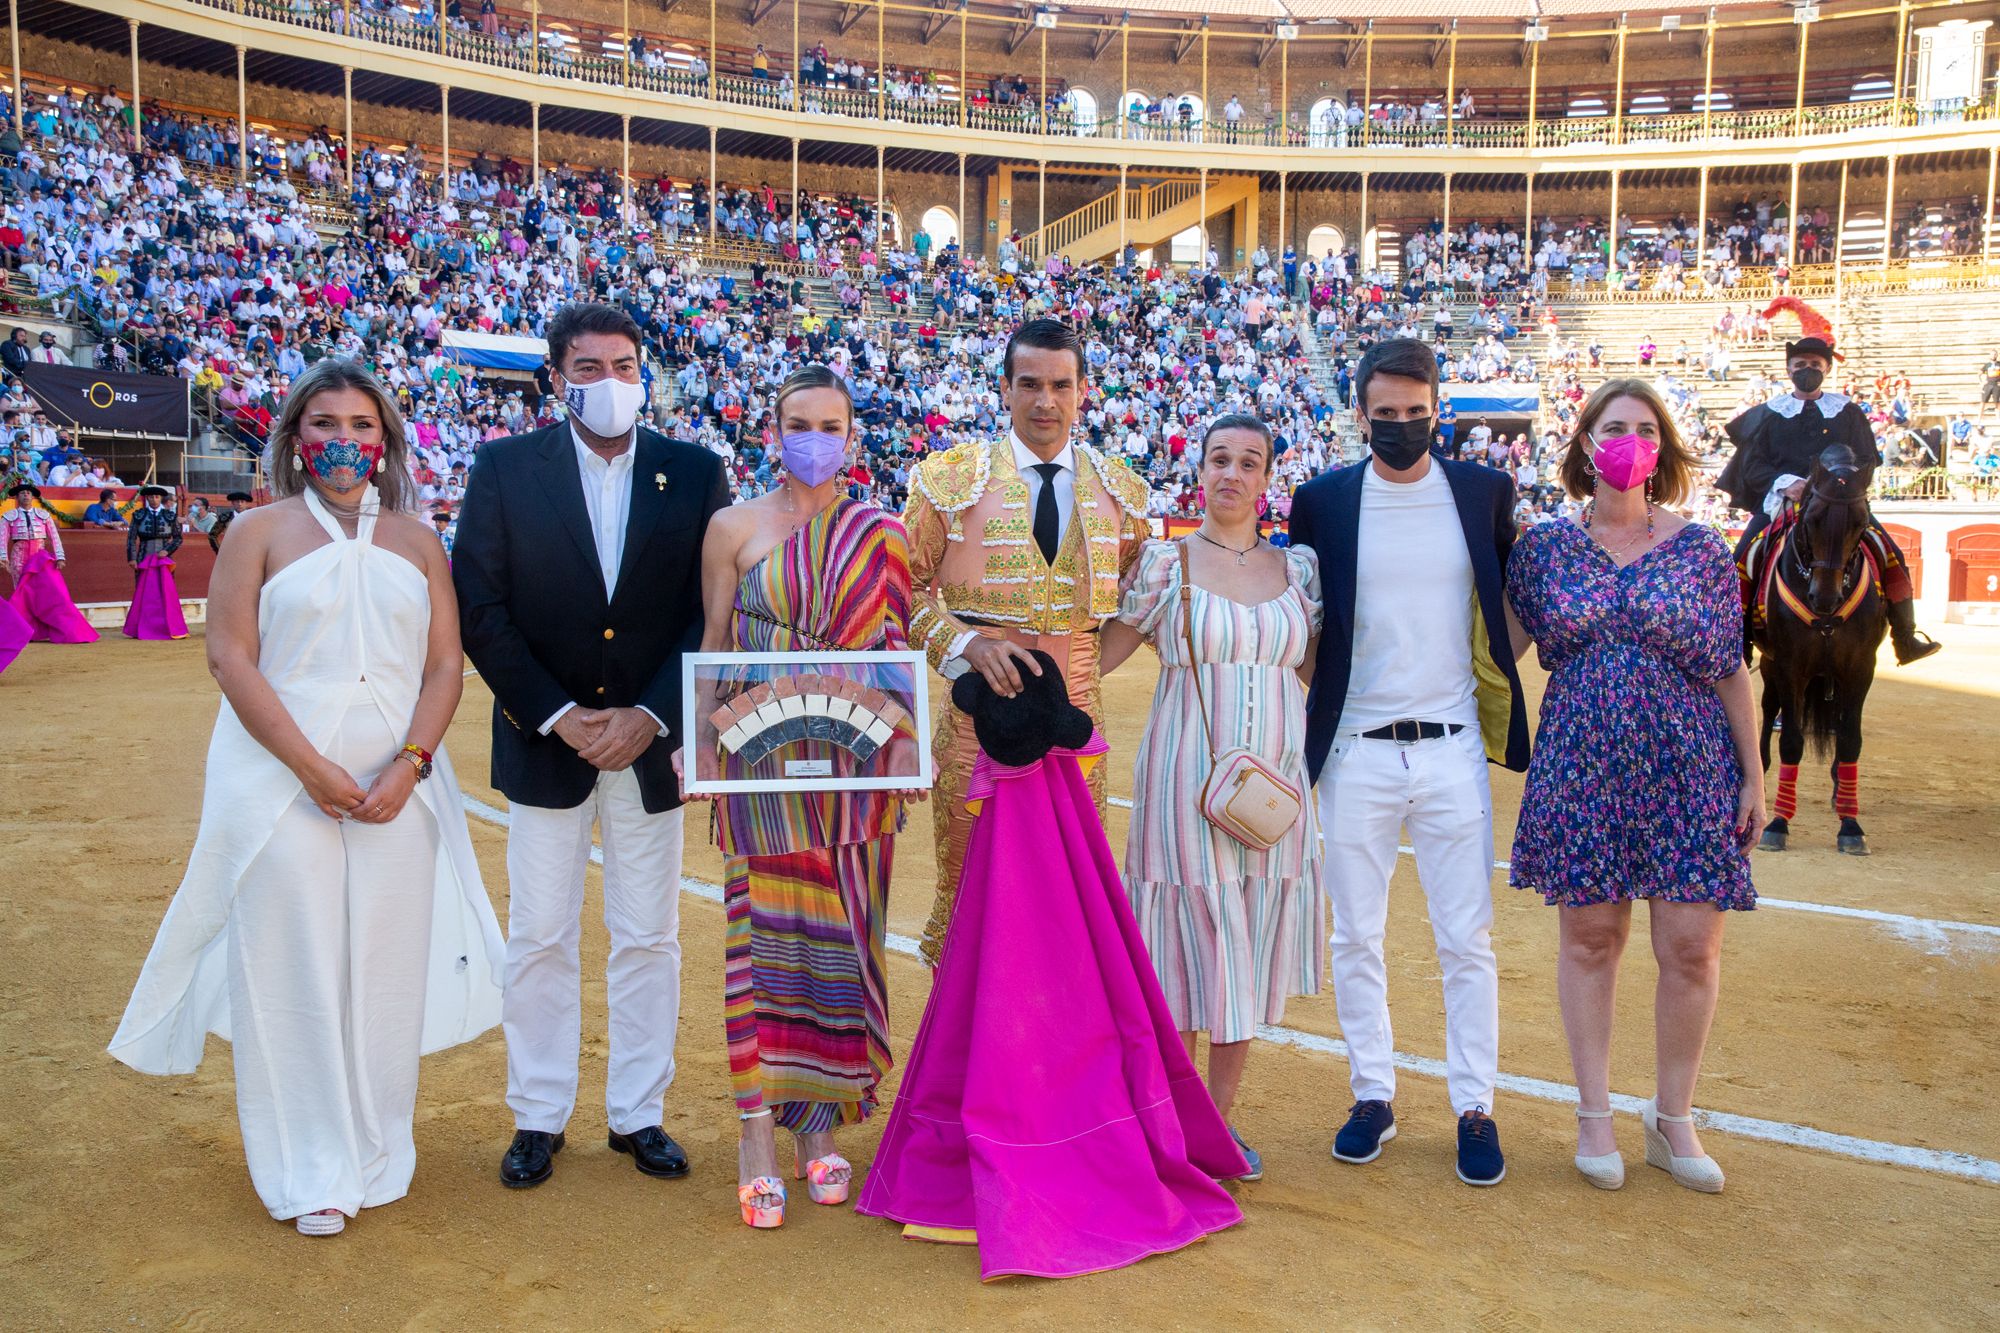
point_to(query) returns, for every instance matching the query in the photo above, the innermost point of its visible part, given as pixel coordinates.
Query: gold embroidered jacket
(972, 549)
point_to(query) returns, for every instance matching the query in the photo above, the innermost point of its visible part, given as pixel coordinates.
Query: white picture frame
(908, 684)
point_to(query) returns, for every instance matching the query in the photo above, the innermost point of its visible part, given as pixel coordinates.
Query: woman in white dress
(303, 931)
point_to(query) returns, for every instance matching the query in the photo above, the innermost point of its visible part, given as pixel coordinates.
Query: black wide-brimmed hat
(160, 491)
(20, 486)
(1813, 346)
(1019, 731)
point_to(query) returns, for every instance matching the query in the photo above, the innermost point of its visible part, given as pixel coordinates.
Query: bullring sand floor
(127, 1204)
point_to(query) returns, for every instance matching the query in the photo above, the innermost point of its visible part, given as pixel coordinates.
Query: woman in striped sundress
(1233, 931)
(805, 1006)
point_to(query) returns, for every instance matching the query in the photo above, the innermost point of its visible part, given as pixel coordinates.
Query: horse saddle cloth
(1759, 559)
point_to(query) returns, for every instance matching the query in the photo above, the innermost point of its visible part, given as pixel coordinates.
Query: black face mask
(1399, 444)
(1807, 378)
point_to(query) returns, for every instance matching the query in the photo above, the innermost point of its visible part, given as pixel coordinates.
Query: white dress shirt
(1025, 462)
(607, 499)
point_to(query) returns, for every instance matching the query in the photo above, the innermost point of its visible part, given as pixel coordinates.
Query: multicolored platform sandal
(817, 1174)
(765, 1218)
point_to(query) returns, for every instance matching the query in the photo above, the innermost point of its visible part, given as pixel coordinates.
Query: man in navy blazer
(578, 568)
(1413, 692)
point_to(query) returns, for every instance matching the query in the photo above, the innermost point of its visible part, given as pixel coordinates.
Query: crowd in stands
(169, 264)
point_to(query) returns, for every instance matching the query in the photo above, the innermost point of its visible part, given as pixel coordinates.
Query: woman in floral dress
(1645, 781)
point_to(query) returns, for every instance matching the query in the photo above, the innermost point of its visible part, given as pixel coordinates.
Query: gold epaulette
(1127, 487)
(954, 480)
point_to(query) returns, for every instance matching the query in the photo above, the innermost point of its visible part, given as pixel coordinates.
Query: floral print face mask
(341, 464)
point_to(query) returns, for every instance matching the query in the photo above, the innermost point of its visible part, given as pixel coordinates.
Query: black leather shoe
(530, 1159)
(653, 1151)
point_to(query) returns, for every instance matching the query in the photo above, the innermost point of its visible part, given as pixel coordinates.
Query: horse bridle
(1850, 570)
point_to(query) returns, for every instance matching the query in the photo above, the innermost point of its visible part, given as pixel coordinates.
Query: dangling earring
(378, 467)
(298, 464)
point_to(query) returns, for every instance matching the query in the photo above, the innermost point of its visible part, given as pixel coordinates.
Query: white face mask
(606, 407)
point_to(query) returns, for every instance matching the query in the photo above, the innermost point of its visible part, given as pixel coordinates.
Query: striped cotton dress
(1233, 931)
(805, 1000)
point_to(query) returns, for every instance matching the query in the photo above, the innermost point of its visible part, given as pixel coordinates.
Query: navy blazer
(1326, 515)
(535, 619)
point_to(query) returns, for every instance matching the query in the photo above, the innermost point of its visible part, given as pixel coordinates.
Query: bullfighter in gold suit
(1015, 546)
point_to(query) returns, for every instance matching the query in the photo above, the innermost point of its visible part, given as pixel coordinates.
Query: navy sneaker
(1369, 1126)
(1479, 1159)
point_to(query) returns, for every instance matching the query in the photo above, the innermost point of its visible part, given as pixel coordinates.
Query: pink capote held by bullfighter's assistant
(156, 602)
(42, 599)
(15, 634)
(1048, 1105)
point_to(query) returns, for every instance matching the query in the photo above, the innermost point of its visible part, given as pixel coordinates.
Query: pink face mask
(1624, 461)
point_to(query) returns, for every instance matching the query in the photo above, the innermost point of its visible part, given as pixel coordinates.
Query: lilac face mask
(1624, 461)
(814, 456)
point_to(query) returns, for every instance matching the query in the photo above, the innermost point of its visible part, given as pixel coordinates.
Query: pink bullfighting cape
(1049, 1111)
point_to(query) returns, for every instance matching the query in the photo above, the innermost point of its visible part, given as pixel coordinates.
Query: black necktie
(1048, 521)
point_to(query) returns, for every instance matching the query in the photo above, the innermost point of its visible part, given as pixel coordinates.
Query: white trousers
(329, 941)
(1368, 791)
(542, 1011)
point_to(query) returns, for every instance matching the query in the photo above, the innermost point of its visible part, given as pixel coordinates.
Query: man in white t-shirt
(1414, 690)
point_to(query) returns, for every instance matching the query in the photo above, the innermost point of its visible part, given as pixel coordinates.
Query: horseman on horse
(1776, 447)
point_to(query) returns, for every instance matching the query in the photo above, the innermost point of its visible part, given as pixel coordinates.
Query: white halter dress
(343, 634)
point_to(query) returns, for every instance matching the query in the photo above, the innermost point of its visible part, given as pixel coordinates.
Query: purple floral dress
(1632, 790)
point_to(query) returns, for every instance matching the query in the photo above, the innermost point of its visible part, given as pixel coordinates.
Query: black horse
(1825, 619)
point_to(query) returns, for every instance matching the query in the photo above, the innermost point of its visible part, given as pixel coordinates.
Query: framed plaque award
(782, 722)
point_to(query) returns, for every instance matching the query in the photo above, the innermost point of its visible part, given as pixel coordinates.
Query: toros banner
(105, 400)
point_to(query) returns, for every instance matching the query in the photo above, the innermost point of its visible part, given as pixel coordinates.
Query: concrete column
(1889, 213)
(1124, 210)
(1611, 229)
(1701, 211)
(347, 98)
(14, 36)
(444, 120)
(1986, 233)
(242, 118)
(1792, 221)
(1282, 238)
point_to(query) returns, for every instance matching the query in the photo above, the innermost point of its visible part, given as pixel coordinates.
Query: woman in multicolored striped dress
(805, 1005)
(1233, 931)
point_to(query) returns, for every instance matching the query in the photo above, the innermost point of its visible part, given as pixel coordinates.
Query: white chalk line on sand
(1923, 929)
(1965, 1166)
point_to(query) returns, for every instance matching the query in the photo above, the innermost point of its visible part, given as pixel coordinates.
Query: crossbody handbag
(1244, 796)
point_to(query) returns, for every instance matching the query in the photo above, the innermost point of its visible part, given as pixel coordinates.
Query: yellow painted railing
(1142, 205)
